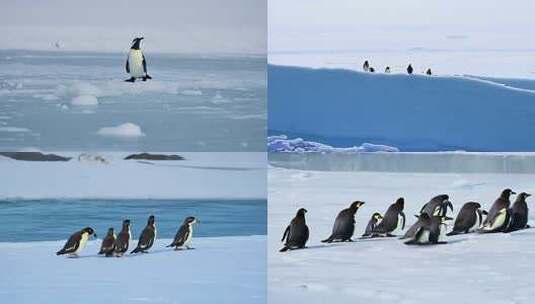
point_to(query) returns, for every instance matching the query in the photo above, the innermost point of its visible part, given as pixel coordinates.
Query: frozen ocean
(64, 101)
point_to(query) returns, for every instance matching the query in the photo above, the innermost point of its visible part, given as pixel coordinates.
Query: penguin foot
(131, 79)
(390, 235)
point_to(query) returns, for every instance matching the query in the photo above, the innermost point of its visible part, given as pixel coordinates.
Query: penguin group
(117, 245)
(430, 226)
(367, 68)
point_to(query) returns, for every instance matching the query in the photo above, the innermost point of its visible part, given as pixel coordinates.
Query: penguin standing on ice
(136, 65)
(184, 235)
(394, 218)
(429, 230)
(428, 72)
(366, 66)
(437, 206)
(387, 70)
(296, 234)
(519, 213)
(409, 69)
(146, 239)
(498, 218)
(372, 224)
(77, 242)
(344, 224)
(123, 239)
(108, 244)
(469, 219)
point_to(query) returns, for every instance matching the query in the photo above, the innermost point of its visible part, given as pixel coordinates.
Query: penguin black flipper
(108, 245)
(285, 234)
(145, 69)
(145, 240)
(127, 66)
(72, 244)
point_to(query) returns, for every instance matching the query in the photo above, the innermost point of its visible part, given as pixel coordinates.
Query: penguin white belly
(187, 243)
(135, 63)
(499, 220)
(83, 242)
(424, 237)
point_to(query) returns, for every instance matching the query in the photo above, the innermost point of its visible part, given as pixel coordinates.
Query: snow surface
(209, 175)
(410, 112)
(219, 270)
(281, 143)
(492, 269)
(123, 130)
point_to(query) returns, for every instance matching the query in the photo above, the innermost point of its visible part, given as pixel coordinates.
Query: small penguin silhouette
(366, 66)
(409, 69)
(387, 70)
(372, 70)
(428, 72)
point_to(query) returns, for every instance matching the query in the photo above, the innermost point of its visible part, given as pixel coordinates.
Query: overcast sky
(381, 24)
(184, 26)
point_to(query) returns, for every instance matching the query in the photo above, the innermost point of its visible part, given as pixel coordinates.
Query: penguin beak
(528, 195)
(141, 38)
(512, 192)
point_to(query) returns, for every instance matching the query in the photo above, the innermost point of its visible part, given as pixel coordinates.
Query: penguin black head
(126, 223)
(136, 42)
(301, 212)
(507, 193)
(89, 231)
(110, 231)
(356, 205)
(377, 216)
(484, 212)
(400, 203)
(523, 195)
(151, 220)
(474, 205)
(190, 220)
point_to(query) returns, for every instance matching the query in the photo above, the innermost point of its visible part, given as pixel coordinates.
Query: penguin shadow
(198, 167)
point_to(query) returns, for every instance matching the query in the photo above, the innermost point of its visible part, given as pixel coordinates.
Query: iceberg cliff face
(282, 143)
(410, 112)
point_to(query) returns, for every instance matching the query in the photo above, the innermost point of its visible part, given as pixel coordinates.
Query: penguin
(344, 224)
(498, 218)
(428, 72)
(108, 244)
(519, 213)
(429, 230)
(437, 206)
(372, 70)
(184, 234)
(77, 242)
(394, 216)
(387, 70)
(409, 69)
(146, 239)
(136, 65)
(123, 239)
(372, 224)
(469, 219)
(297, 233)
(366, 66)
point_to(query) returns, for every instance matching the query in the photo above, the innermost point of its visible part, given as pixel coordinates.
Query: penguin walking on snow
(344, 224)
(77, 242)
(296, 234)
(469, 219)
(108, 244)
(394, 218)
(146, 239)
(123, 239)
(498, 218)
(387, 70)
(429, 230)
(184, 235)
(519, 213)
(136, 65)
(366, 66)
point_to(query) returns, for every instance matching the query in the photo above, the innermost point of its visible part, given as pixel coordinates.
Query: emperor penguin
(147, 237)
(366, 66)
(136, 65)
(498, 218)
(409, 69)
(394, 218)
(296, 234)
(519, 213)
(123, 239)
(108, 244)
(429, 230)
(437, 206)
(77, 242)
(469, 219)
(184, 235)
(344, 224)
(372, 224)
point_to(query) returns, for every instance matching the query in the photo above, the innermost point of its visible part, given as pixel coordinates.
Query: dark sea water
(45, 220)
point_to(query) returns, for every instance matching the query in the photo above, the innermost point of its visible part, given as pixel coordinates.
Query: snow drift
(413, 113)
